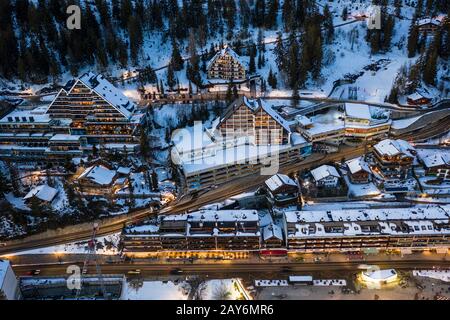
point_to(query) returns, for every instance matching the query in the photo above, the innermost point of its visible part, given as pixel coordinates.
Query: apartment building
(368, 229)
(249, 138)
(88, 111)
(226, 65)
(98, 110)
(227, 230)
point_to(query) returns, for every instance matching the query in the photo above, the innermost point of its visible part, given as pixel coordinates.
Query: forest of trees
(428, 48)
(36, 46)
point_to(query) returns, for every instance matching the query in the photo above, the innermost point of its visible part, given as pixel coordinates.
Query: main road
(233, 268)
(189, 202)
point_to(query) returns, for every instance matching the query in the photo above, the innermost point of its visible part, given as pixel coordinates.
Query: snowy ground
(107, 245)
(361, 190)
(169, 290)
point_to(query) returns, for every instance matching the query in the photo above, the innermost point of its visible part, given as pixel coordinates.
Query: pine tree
(171, 81)
(344, 14)
(271, 18)
(161, 87)
(430, 65)
(155, 183)
(176, 60)
(279, 52)
(4, 187)
(252, 67)
(413, 38)
(272, 79)
(145, 147)
(397, 5)
(328, 24)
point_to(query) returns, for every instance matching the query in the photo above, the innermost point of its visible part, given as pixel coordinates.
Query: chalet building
(272, 237)
(250, 138)
(393, 159)
(368, 230)
(417, 99)
(437, 164)
(226, 65)
(326, 176)
(97, 110)
(429, 24)
(97, 180)
(358, 170)
(282, 189)
(43, 193)
(199, 231)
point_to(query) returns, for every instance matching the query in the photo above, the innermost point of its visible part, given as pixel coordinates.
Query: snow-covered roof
(324, 172)
(357, 164)
(272, 231)
(300, 278)
(392, 148)
(215, 215)
(65, 137)
(436, 159)
(415, 96)
(25, 116)
(358, 111)
(99, 175)
(380, 274)
(303, 120)
(107, 91)
(297, 138)
(278, 180)
(226, 50)
(42, 192)
(124, 170)
(425, 21)
(399, 221)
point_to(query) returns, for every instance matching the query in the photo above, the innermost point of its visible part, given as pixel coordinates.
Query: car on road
(34, 272)
(286, 269)
(176, 271)
(137, 271)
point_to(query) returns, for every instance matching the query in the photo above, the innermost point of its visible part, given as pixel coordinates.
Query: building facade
(9, 284)
(226, 65)
(87, 112)
(393, 159)
(98, 110)
(248, 138)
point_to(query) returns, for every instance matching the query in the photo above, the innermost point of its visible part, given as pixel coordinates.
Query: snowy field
(168, 290)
